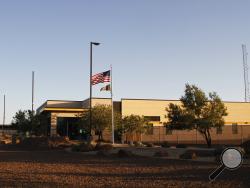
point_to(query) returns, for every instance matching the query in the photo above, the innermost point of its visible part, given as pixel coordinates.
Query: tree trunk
(208, 138)
(99, 135)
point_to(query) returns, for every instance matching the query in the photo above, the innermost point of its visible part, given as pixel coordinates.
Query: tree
(101, 119)
(134, 124)
(197, 111)
(26, 121)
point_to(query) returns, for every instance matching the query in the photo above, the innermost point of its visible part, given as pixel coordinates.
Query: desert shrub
(203, 153)
(246, 147)
(149, 144)
(138, 144)
(165, 144)
(181, 146)
(105, 147)
(218, 150)
(186, 155)
(161, 154)
(35, 142)
(84, 147)
(2, 142)
(124, 153)
(102, 153)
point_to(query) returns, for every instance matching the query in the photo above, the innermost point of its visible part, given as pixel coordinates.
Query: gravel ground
(64, 169)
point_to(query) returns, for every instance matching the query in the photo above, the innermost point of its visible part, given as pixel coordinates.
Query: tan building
(63, 114)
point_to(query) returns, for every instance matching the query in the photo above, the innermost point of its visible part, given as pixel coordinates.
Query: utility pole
(33, 83)
(245, 67)
(3, 114)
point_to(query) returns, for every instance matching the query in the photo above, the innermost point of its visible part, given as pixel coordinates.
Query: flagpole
(112, 106)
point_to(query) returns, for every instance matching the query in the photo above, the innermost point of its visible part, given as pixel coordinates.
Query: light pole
(90, 89)
(33, 82)
(3, 114)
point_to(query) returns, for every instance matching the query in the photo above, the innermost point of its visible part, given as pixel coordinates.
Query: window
(150, 129)
(153, 118)
(235, 128)
(169, 131)
(219, 130)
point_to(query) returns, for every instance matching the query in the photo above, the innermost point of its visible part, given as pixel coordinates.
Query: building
(62, 116)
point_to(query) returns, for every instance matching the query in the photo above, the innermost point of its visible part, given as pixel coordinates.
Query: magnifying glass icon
(231, 159)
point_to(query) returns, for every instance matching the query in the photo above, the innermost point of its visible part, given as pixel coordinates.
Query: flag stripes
(101, 77)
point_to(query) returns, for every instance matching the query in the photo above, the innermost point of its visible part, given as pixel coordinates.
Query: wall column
(53, 124)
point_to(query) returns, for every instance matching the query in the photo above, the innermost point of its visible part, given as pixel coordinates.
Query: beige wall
(237, 113)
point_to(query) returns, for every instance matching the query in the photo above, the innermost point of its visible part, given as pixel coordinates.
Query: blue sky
(155, 47)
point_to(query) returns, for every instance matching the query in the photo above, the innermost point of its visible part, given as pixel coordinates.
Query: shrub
(124, 153)
(2, 142)
(246, 147)
(104, 147)
(138, 144)
(102, 153)
(165, 144)
(148, 144)
(181, 146)
(161, 154)
(84, 147)
(218, 150)
(186, 155)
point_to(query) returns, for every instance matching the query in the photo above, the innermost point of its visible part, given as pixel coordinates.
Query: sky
(155, 48)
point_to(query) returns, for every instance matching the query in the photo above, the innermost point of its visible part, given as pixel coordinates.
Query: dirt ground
(65, 169)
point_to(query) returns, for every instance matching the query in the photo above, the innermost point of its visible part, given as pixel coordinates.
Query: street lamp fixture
(90, 89)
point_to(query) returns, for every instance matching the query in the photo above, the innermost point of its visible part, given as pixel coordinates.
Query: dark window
(235, 128)
(169, 131)
(150, 129)
(153, 118)
(219, 130)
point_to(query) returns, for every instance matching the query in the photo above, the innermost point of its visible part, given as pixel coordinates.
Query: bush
(161, 154)
(124, 153)
(104, 147)
(102, 153)
(138, 144)
(187, 155)
(218, 150)
(148, 144)
(2, 142)
(246, 147)
(181, 146)
(165, 144)
(84, 147)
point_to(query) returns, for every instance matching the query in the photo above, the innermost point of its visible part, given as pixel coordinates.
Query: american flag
(101, 77)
